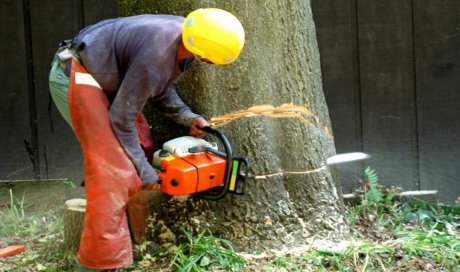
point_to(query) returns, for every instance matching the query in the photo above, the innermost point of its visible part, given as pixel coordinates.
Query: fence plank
(387, 89)
(15, 162)
(437, 43)
(52, 22)
(95, 11)
(60, 151)
(336, 34)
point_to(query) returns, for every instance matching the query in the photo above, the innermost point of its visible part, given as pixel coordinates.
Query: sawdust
(311, 245)
(283, 111)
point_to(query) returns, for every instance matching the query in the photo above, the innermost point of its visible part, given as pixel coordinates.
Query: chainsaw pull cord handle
(209, 195)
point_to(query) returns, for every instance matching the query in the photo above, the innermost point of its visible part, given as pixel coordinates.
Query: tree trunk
(74, 215)
(292, 195)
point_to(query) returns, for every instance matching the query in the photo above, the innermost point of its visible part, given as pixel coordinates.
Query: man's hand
(153, 186)
(198, 122)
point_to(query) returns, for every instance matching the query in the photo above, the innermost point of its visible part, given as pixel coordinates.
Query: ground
(389, 234)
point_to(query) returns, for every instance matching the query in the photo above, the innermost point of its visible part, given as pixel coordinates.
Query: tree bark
(292, 196)
(74, 215)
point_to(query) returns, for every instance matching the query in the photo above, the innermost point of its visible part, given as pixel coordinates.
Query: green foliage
(12, 216)
(375, 205)
(70, 183)
(416, 210)
(40, 232)
(206, 253)
(433, 248)
(373, 194)
(16, 222)
(437, 245)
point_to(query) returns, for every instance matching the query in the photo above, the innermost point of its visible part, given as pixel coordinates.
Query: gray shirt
(134, 60)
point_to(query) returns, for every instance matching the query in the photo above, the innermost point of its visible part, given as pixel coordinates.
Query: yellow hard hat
(213, 34)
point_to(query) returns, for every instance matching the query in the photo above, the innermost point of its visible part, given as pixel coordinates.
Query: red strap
(11, 250)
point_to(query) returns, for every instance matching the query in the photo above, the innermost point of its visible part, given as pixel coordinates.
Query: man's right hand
(195, 130)
(153, 186)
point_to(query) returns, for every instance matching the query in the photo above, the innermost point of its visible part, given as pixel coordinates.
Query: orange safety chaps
(110, 176)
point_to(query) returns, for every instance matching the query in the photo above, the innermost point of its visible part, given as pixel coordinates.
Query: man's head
(214, 35)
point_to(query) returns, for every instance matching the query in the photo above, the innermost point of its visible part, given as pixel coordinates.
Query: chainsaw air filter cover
(192, 173)
(184, 173)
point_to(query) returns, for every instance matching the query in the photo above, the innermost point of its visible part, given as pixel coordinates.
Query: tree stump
(74, 215)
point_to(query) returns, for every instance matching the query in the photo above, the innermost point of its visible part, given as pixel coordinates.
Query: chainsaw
(193, 166)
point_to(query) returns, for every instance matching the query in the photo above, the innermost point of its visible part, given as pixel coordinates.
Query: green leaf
(373, 195)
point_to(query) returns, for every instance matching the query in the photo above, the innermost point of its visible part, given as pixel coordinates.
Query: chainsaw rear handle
(222, 138)
(220, 192)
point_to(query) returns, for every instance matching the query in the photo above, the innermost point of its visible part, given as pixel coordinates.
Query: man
(100, 82)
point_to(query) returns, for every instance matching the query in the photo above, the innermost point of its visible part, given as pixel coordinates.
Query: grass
(206, 252)
(15, 221)
(42, 235)
(409, 250)
(413, 235)
(12, 216)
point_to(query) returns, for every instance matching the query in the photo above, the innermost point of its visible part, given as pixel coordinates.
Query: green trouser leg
(59, 89)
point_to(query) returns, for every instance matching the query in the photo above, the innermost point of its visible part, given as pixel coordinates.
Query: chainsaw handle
(209, 129)
(228, 157)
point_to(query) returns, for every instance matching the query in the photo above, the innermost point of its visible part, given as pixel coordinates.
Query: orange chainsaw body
(192, 173)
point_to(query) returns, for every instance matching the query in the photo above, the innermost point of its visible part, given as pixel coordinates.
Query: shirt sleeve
(135, 89)
(173, 106)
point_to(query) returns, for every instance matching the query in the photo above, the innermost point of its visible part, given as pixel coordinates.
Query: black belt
(68, 43)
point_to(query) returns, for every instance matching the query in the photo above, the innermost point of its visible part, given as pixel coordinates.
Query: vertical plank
(387, 90)
(437, 44)
(335, 23)
(52, 22)
(95, 11)
(33, 146)
(14, 115)
(59, 149)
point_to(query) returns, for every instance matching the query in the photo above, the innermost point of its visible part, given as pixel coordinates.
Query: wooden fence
(390, 74)
(35, 141)
(389, 67)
